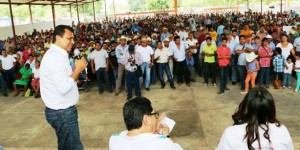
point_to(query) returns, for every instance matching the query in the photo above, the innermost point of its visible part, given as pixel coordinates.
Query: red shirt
(223, 51)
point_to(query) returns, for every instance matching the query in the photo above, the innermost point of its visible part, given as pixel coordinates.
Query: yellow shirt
(214, 35)
(209, 50)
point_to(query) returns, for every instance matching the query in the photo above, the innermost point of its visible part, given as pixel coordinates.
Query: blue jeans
(2, 85)
(131, 77)
(233, 69)
(145, 67)
(264, 73)
(102, 76)
(287, 79)
(223, 78)
(153, 73)
(242, 72)
(83, 80)
(65, 123)
(9, 77)
(165, 67)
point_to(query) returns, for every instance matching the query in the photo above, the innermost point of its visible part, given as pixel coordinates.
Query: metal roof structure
(47, 2)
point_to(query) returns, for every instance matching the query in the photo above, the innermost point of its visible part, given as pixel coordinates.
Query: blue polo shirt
(242, 56)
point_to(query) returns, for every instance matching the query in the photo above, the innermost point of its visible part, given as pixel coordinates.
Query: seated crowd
(146, 49)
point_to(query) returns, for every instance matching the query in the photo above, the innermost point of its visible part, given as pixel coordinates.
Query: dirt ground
(200, 114)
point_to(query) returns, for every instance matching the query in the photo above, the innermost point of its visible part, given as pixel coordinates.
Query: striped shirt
(278, 63)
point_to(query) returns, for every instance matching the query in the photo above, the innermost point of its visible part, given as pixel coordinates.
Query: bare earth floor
(200, 114)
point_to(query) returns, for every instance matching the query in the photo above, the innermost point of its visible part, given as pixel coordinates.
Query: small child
(252, 69)
(287, 79)
(297, 69)
(190, 65)
(278, 63)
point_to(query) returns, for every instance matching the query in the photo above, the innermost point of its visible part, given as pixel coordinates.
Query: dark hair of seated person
(257, 110)
(134, 111)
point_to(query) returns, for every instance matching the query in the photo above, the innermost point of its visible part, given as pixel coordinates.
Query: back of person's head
(257, 110)
(134, 111)
(278, 50)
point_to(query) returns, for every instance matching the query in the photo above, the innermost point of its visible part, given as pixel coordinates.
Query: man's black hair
(134, 111)
(60, 31)
(208, 38)
(176, 37)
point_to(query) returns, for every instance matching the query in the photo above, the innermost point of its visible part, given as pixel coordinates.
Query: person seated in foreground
(143, 125)
(256, 126)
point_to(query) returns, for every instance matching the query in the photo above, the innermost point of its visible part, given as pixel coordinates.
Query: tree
(157, 4)
(137, 5)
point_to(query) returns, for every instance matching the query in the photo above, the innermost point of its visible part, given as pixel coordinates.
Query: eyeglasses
(156, 114)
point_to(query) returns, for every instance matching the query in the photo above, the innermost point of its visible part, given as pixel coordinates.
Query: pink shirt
(265, 61)
(223, 51)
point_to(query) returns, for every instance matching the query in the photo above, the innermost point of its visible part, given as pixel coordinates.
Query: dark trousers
(242, 73)
(83, 80)
(103, 76)
(2, 85)
(278, 75)
(9, 77)
(181, 69)
(65, 123)
(153, 74)
(209, 69)
(197, 64)
(165, 67)
(132, 77)
(264, 72)
(223, 77)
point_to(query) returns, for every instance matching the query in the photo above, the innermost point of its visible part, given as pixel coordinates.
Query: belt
(60, 109)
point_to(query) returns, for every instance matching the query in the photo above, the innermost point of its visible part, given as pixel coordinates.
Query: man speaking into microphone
(59, 89)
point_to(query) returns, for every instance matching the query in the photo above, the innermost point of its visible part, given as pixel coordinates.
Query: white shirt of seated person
(143, 138)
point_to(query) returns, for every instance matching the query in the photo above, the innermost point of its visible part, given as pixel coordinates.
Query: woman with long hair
(256, 126)
(265, 54)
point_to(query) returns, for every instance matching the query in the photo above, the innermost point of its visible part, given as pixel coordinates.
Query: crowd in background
(161, 48)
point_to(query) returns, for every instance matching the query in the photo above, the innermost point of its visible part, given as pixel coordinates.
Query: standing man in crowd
(224, 55)
(120, 51)
(2, 82)
(241, 50)
(162, 57)
(59, 89)
(208, 53)
(100, 64)
(179, 55)
(148, 59)
(8, 68)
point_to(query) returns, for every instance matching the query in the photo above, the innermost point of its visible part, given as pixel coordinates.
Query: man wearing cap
(164, 34)
(271, 43)
(121, 49)
(166, 44)
(131, 61)
(193, 46)
(148, 60)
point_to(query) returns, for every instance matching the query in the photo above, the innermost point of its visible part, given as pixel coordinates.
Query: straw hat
(269, 36)
(144, 40)
(250, 57)
(166, 40)
(149, 39)
(123, 38)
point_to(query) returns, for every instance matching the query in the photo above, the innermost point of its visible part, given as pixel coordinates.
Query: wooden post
(77, 11)
(70, 11)
(53, 13)
(30, 13)
(261, 7)
(114, 7)
(12, 22)
(176, 6)
(94, 11)
(105, 10)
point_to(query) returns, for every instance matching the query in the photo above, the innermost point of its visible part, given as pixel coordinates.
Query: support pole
(114, 7)
(281, 7)
(105, 10)
(261, 7)
(94, 11)
(70, 11)
(53, 13)
(248, 5)
(176, 6)
(30, 13)
(77, 11)
(12, 22)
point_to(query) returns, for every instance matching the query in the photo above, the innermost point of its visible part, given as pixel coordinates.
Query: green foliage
(157, 4)
(137, 5)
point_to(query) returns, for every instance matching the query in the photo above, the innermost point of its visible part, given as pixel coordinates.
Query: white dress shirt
(179, 54)
(58, 88)
(145, 52)
(99, 58)
(163, 55)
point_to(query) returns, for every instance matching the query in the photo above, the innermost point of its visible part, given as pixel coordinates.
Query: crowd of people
(143, 50)
(146, 49)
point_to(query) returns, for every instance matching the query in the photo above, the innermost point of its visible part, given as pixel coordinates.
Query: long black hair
(257, 110)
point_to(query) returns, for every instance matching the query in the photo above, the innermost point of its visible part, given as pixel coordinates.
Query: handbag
(138, 71)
